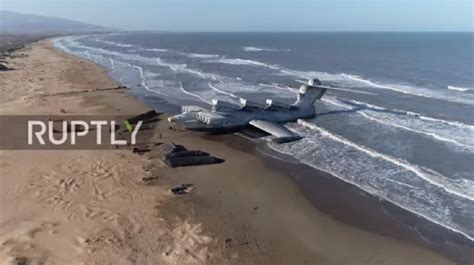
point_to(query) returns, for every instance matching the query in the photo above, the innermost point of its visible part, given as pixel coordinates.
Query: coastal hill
(14, 23)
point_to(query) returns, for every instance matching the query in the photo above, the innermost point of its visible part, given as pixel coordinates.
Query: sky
(259, 15)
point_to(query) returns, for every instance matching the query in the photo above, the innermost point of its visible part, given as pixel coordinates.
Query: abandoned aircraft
(270, 117)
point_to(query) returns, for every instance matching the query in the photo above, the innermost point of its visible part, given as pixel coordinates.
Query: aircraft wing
(281, 133)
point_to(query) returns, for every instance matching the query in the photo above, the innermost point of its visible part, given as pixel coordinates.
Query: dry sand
(91, 207)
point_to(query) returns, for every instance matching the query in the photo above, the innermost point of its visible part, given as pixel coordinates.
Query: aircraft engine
(209, 118)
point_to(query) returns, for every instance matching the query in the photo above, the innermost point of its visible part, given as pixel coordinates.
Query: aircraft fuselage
(206, 120)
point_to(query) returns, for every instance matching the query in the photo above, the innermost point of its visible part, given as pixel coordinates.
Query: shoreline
(389, 226)
(456, 246)
(353, 206)
(93, 207)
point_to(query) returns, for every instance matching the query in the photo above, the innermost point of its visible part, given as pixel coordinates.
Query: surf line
(430, 134)
(222, 91)
(142, 75)
(414, 114)
(406, 207)
(399, 162)
(112, 64)
(143, 82)
(192, 94)
(183, 68)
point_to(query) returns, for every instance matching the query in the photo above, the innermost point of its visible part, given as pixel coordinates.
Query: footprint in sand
(24, 242)
(189, 244)
(73, 186)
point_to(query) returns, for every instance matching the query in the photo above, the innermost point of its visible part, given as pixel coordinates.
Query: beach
(92, 207)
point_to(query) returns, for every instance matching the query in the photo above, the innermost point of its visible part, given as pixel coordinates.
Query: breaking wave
(193, 94)
(358, 165)
(200, 55)
(417, 115)
(142, 76)
(183, 68)
(347, 80)
(222, 91)
(460, 89)
(463, 188)
(246, 62)
(417, 91)
(258, 49)
(451, 132)
(155, 50)
(118, 44)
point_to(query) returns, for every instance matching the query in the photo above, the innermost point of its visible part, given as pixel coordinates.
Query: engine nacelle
(209, 118)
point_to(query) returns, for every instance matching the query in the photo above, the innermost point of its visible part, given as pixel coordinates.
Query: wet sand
(92, 207)
(353, 206)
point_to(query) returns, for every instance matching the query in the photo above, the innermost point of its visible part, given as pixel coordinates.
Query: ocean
(399, 123)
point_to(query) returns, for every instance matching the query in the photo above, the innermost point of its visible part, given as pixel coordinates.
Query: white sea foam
(142, 76)
(323, 76)
(343, 79)
(156, 50)
(222, 91)
(183, 68)
(179, 68)
(201, 98)
(414, 188)
(200, 55)
(417, 115)
(353, 81)
(432, 177)
(118, 44)
(112, 64)
(412, 90)
(451, 132)
(59, 42)
(260, 49)
(147, 80)
(460, 89)
(72, 43)
(441, 134)
(88, 55)
(246, 62)
(252, 49)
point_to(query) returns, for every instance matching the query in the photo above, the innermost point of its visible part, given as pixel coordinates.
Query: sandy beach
(92, 207)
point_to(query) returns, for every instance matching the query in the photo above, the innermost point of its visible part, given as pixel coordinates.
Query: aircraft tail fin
(308, 94)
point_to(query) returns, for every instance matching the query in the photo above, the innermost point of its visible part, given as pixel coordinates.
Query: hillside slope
(12, 22)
